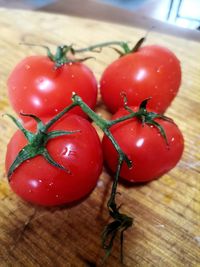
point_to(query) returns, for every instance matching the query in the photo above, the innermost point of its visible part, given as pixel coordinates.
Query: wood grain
(166, 211)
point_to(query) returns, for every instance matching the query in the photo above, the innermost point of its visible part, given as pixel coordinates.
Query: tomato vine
(37, 145)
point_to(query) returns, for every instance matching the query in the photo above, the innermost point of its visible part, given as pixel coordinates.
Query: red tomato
(37, 181)
(36, 87)
(152, 71)
(145, 147)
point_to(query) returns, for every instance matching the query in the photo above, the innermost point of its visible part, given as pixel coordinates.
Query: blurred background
(183, 13)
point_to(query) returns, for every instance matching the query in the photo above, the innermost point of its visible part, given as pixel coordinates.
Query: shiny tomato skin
(36, 181)
(152, 71)
(36, 87)
(144, 145)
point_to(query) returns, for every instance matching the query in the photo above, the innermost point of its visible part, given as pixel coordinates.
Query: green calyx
(61, 56)
(36, 143)
(147, 117)
(126, 49)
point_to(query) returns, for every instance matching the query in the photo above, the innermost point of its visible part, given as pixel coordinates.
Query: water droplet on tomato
(56, 110)
(159, 69)
(100, 183)
(27, 67)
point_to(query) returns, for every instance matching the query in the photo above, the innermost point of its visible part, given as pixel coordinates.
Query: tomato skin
(152, 71)
(36, 87)
(144, 145)
(37, 181)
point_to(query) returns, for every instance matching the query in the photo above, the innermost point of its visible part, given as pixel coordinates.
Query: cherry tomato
(36, 87)
(37, 181)
(152, 71)
(145, 147)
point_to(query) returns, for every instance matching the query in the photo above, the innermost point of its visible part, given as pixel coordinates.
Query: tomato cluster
(67, 157)
(43, 86)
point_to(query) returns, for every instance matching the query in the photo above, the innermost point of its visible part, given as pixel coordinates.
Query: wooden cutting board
(167, 211)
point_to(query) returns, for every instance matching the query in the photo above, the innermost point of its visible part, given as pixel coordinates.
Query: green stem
(59, 115)
(111, 202)
(103, 124)
(121, 221)
(124, 118)
(100, 45)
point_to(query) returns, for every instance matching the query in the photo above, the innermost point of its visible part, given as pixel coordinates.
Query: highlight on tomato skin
(152, 71)
(38, 182)
(35, 86)
(145, 147)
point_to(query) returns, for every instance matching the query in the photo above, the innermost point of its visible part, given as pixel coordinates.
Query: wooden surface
(166, 211)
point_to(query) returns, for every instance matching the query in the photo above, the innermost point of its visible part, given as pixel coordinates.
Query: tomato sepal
(61, 57)
(37, 141)
(144, 116)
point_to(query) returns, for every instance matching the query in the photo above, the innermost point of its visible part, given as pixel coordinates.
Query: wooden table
(166, 211)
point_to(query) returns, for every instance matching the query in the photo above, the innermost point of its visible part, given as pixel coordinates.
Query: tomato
(152, 71)
(37, 181)
(145, 147)
(36, 87)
